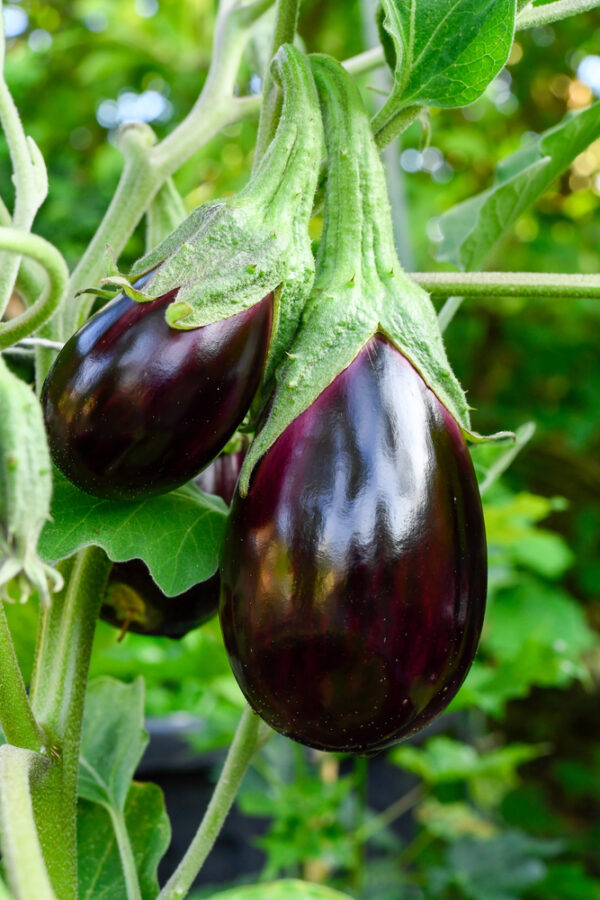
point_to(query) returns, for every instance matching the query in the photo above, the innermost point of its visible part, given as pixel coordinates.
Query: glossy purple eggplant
(134, 602)
(354, 572)
(134, 407)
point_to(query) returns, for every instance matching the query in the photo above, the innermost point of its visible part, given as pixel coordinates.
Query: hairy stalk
(44, 253)
(16, 716)
(31, 184)
(286, 21)
(561, 9)
(249, 737)
(58, 695)
(21, 852)
(508, 284)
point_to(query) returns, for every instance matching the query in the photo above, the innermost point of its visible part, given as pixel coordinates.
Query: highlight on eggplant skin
(354, 572)
(134, 602)
(134, 407)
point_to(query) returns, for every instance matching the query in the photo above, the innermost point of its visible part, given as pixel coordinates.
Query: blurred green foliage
(506, 805)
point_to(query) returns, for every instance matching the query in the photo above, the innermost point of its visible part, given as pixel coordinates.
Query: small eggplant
(221, 476)
(134, 602)
(134, 407)
(354, 571)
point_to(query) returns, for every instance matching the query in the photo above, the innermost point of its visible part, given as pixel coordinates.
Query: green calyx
(360, 288)
(228, 255)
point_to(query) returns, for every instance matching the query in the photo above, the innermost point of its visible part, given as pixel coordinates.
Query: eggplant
(221, 476)
(133, 407)
(134, 602)
(354, 570)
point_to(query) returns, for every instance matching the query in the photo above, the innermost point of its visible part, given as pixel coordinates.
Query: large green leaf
(445, 53)
(178, 535)
(114, 813)
(287, 889)
(472, 229)
(100, 874)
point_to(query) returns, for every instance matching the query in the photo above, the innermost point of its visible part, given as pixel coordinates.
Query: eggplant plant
(350, 572)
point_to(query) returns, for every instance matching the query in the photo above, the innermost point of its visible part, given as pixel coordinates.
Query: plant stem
(44, 253)
(448, 311)
(16, 716)
(128, 865)
(523, 436)
(509, 284)
(243, 747)
(389, 815)
(30, 179)
(364, 62)
(534, 16)
(21, 851)
(385, 130)
(57, 694)
(286, 21)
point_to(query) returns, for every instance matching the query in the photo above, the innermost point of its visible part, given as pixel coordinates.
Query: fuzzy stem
(58, 694)
(364, 62)
(30, 179)
(16, 716)
(44, 253)
(534, 16)
(21, 851)
(286, 21)
(508, 284)
(386, 130)
(245, 743)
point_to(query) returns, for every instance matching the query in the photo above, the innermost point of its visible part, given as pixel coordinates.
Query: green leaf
(113, 740)
(443, 760)
(451, 821)
(533, 614)
(178, 535)
(287, 889)
(446, 53)
(99, 866)
(472, 229)
(496, 869)
(116, 816)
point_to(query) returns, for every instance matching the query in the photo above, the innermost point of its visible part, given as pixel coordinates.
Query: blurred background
(502, 799)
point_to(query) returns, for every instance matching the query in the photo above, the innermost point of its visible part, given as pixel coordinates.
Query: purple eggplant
(134, 602)
(221, 476)
(134, 407)
(354, 571)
